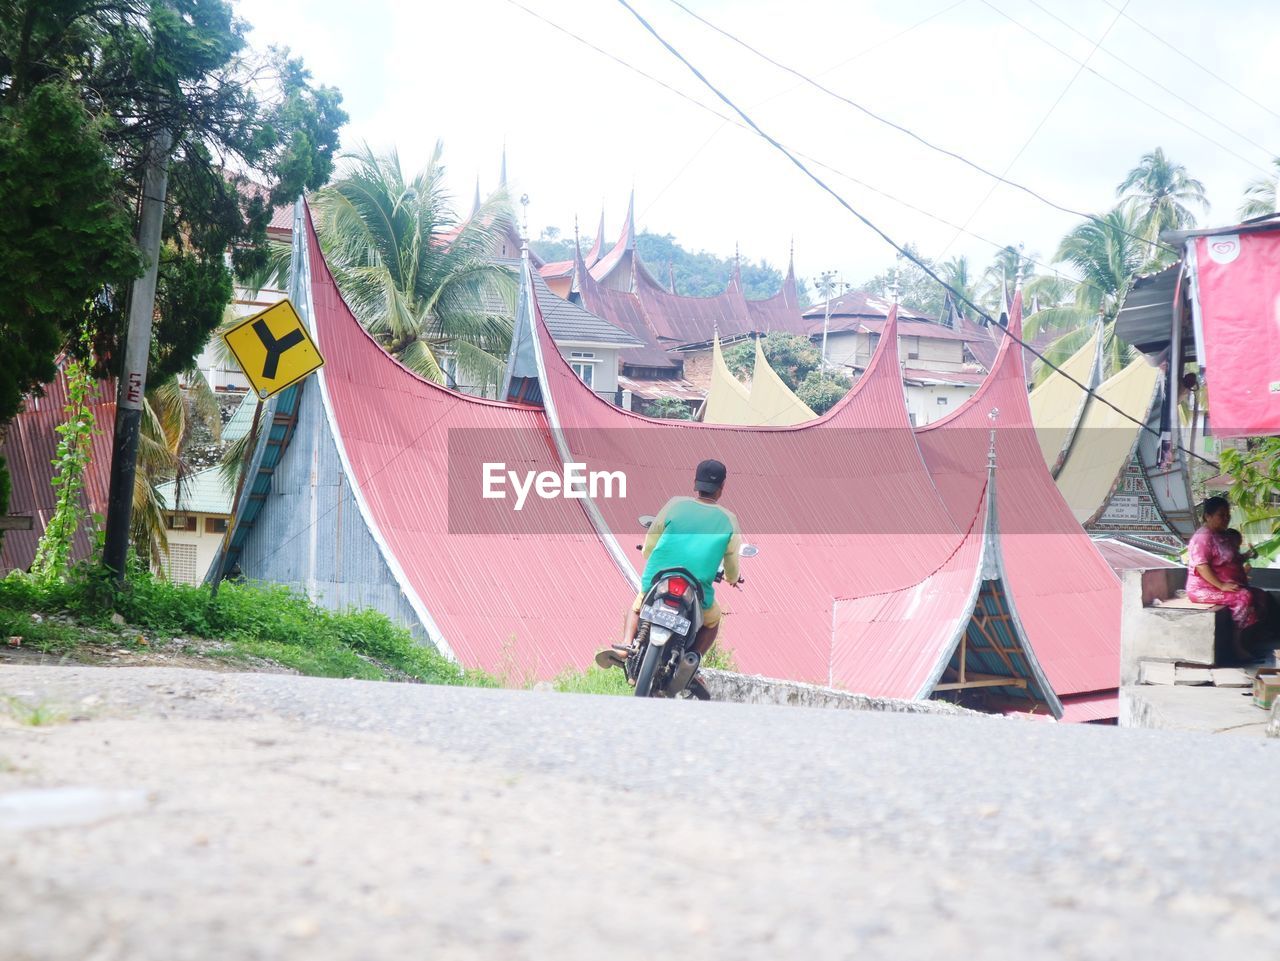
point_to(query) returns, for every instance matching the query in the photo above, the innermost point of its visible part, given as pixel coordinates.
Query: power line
(839, 173)
(1040, 126)
(904, 251)
(1146, 76)
(1191, 60)
(781, 93)
(905, 130)
(1124, 90)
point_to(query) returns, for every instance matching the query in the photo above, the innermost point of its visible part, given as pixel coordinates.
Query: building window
(180, 564)
(449, 367)
(942, 402)
(583, 363)
(182, 522)
(913, 355)
(215, 525)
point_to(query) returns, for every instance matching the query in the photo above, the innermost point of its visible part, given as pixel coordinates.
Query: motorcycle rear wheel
(648, 668)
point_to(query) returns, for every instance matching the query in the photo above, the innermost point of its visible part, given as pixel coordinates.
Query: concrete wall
(191, 552)
(923, 402)
(933, 353)
(754, 689)
(1153, 633)
(854, 349)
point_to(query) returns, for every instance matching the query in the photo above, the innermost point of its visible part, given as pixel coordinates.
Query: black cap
(710, 476)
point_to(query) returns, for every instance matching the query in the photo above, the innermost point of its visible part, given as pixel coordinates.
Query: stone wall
(754, 689)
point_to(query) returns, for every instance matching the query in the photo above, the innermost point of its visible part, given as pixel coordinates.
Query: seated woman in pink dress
(1214, 573)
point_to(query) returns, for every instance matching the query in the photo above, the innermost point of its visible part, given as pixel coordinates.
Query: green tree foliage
(916, 289)
(698, 274)
(1260, 194)
(85, 85)
(791, 356)
(421, 297)
(668, 408)
(53, 553)
(1165, 198)
(703, 274)
(1255, 489)
(65, 237)
(823, 390)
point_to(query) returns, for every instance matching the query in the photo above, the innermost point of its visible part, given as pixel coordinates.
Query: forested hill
(698, 274)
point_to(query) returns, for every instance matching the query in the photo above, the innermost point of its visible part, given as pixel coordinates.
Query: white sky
(581, 129)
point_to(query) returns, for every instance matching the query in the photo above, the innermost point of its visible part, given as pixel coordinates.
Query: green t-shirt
(696, 536)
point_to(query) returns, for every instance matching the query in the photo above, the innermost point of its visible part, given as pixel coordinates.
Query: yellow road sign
(273, 349)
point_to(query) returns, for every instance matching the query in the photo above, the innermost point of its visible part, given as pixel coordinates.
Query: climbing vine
(53, 554)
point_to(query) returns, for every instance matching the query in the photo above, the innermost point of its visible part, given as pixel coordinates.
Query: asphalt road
(192, 816)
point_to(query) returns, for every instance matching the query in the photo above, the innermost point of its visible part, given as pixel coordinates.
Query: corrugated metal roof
(200, 492)
(852, 504)
(839, 506)
(30, 445)
(861, 304)
(521, 594)
(241, 420)
(1126, 557)
(1145, 319)
(906, 328)
(1066, 595)
(570, 323)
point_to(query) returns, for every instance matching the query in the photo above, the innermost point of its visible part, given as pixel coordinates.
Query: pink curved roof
(483, 573)
(866, 526)
(1068, 597)
(838, 506)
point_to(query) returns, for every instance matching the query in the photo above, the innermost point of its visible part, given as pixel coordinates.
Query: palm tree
(958, 275)
(422, 280)
(1165, 196)
(1260, 195)
(1106, 252)
(168, 414)
(999, 279)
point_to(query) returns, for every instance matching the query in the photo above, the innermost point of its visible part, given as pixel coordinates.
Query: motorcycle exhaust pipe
(684, 672)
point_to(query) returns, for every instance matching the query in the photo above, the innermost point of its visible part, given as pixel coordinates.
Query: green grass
(33, 715)
(258, 620)
(253, 621)
(594, 680)
(44, 636)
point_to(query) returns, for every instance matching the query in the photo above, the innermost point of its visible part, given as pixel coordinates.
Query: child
(1238, 569)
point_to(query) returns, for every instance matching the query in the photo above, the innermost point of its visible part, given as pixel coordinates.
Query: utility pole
(137, 351)
(826, 287)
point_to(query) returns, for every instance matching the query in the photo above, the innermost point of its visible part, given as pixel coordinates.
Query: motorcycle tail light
(677, 586)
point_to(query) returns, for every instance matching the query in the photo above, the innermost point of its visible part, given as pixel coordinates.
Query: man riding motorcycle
(694, 533)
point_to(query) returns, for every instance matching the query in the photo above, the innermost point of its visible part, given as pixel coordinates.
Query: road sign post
(273, 349)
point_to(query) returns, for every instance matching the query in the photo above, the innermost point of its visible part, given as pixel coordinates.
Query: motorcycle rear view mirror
(748, 550)
(646, 520)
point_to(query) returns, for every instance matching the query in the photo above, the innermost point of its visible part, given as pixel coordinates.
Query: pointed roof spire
(671, 275)
(629, 229)
(502, 172)
(475, 204)
(597, 248)
(991, 560)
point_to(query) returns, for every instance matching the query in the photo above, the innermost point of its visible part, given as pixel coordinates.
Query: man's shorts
(710, 615)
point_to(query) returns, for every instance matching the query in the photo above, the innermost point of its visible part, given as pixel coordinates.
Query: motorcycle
(664, 662)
